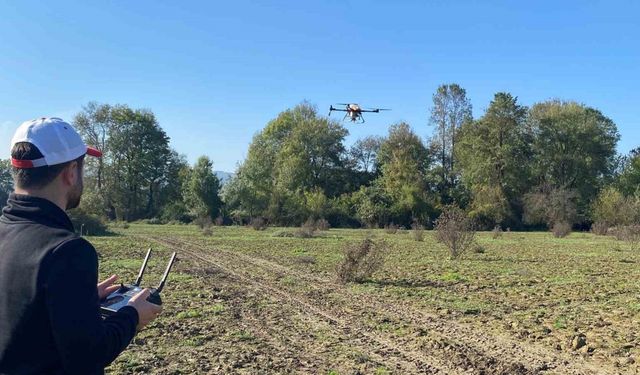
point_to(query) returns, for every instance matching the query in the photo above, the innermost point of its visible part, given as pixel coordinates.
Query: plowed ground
(245, 301)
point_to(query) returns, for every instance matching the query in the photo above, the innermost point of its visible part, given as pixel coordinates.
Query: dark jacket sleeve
(84, 341)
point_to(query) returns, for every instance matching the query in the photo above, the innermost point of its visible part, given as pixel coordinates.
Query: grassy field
(246, 301)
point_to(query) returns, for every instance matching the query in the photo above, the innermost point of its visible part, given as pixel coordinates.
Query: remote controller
(121, 297)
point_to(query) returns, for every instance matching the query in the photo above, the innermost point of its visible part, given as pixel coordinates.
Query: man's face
(75, 192)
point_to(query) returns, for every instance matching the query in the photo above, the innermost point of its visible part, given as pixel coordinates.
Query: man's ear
(69, 174)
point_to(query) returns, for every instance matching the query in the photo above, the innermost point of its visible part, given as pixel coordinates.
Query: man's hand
(107, 287)
(147, 311)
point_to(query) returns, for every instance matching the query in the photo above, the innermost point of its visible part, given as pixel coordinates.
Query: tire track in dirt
(384, 351)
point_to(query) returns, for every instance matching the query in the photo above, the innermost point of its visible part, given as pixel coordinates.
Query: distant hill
(223, 176)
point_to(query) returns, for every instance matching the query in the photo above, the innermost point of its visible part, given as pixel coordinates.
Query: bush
(361, 261)
(455, 230)
(631, 235)
(203, 222)
(614, 209)
(175, 211)
(496, 232)
(551, 206)
(154, 221)
(87, 224)
(599, 228)
(418, 231)
(391, 228)
(219, 221)
(478, 249)
(258, 223)
(561, 229)
(322, 224)
(307, 230)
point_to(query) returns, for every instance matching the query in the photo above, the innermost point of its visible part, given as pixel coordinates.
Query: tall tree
(493, 155)
(451, 109)
(127, 181)
(6, 181)
(364, 152)
(404, 162)
(202, 190)
(297, 152)
(94, 123)
(628, 182)
(574, 148)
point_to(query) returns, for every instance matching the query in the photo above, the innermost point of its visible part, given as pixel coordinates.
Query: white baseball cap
(58, 142)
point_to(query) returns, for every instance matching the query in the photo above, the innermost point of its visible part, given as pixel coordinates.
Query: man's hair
(36, 178)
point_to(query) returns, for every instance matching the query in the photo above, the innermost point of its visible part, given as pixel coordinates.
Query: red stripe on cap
(21, 163)
(94, 152)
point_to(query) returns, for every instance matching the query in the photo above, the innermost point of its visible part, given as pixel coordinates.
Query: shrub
(478, 249)
(219, 221)
(307, 230)
(175, 211)
(631, 235)
(614, 209)
(154, 221)
(550, 206)
(258, 223)
(322, 224)
(361, 261)
(418, 231)
(496, 232)
(87, 224)
(455, 230)
(599, 228)
(203, 222)
(561, 229)
(391, 228)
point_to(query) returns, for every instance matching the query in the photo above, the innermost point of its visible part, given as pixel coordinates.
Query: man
(50, 320)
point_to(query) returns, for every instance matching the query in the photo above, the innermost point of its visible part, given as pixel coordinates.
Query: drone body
(354, 111)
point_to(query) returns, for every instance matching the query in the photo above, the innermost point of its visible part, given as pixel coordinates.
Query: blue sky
(216, 72)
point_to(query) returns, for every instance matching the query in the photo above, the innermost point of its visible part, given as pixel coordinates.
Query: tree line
(554, 163)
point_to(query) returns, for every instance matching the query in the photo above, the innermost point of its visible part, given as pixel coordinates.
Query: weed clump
(599, 228)
(284, 233)
(391, 228)
(561, 229)
(203, 222)
(258, 223)
(361, 261)
(631, 235)
(455, 230)
(418, 231)
(496, 232)
(306, 230)
(322, 224)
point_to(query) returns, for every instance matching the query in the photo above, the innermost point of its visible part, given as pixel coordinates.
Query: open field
(244, 301)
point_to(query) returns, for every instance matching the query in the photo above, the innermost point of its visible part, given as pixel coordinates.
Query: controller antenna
(166, 274)
(144, 265)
